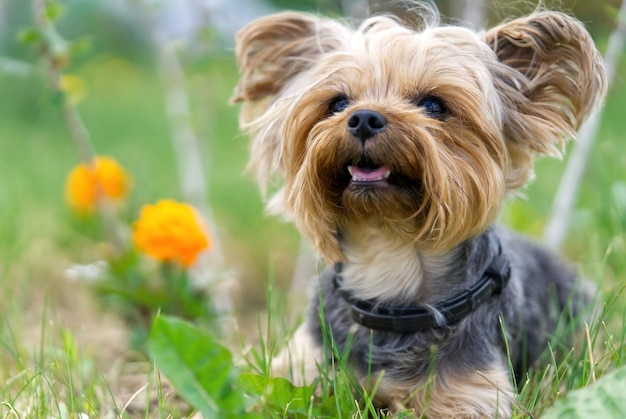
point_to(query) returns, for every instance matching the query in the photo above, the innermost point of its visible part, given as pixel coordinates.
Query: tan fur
(369, 267)
(479, 394)
(564, 77)
(396, 262)
(519, 89)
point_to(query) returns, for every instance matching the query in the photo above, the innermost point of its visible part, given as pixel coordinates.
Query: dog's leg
(480, 394)
(298, 361)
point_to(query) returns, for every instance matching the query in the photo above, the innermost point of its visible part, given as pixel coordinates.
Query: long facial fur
(516, 90)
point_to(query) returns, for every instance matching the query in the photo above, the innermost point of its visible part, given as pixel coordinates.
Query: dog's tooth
(350, 170)
(387, 173)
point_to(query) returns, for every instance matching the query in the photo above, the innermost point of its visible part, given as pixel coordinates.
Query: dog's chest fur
(381, 266)
(538, 284)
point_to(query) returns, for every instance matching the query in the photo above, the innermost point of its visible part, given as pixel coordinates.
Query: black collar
(406, 319)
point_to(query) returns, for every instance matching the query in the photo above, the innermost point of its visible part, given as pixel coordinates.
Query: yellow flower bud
(104, 178)
(170, 231)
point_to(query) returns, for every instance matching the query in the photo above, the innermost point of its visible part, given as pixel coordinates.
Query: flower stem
(55, 59)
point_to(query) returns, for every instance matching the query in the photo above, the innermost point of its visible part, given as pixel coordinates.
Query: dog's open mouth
(369, 176)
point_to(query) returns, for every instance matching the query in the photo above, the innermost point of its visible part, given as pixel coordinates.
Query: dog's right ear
(270, 51)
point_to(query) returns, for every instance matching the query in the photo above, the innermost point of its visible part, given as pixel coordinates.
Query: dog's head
(420, 130)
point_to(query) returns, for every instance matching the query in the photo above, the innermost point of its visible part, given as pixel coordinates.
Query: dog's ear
(550, 76)
(272, 50)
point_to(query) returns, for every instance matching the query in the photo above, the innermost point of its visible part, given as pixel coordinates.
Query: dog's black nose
(365, 123)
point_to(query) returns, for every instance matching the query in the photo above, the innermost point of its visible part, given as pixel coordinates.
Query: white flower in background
(64, 413)
(90, 273)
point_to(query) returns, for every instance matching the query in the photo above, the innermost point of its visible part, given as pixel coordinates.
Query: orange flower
(86, 183)
(170, 231)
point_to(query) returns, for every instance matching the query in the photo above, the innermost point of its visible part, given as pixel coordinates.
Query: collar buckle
(499, 270)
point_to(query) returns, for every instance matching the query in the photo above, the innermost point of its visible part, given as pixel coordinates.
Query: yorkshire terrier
(395, 147)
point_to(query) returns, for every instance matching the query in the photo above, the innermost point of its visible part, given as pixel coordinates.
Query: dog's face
(419, 131)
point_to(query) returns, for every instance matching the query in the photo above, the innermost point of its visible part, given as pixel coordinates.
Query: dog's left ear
(550, 76)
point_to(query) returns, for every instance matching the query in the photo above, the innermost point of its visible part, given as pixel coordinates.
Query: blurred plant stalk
(567, 192)
(55, 52)
(191, 172)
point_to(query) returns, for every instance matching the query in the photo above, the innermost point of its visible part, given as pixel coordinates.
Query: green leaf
(29, 36)
(53, 11)
(80, 46)
(285, 398)
(278, 392)
(200, 369)
(604, 399)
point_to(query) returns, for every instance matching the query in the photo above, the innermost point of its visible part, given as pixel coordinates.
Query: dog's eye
(433, 106)
(338, 104)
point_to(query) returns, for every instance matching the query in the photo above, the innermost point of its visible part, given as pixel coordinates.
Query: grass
(61, 354)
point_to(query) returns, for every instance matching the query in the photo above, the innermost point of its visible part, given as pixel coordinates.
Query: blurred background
(118, 91)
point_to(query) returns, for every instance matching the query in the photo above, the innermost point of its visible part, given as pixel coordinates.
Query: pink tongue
(367, 173)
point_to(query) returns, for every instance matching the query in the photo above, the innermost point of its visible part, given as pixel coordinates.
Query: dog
(394, 148)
